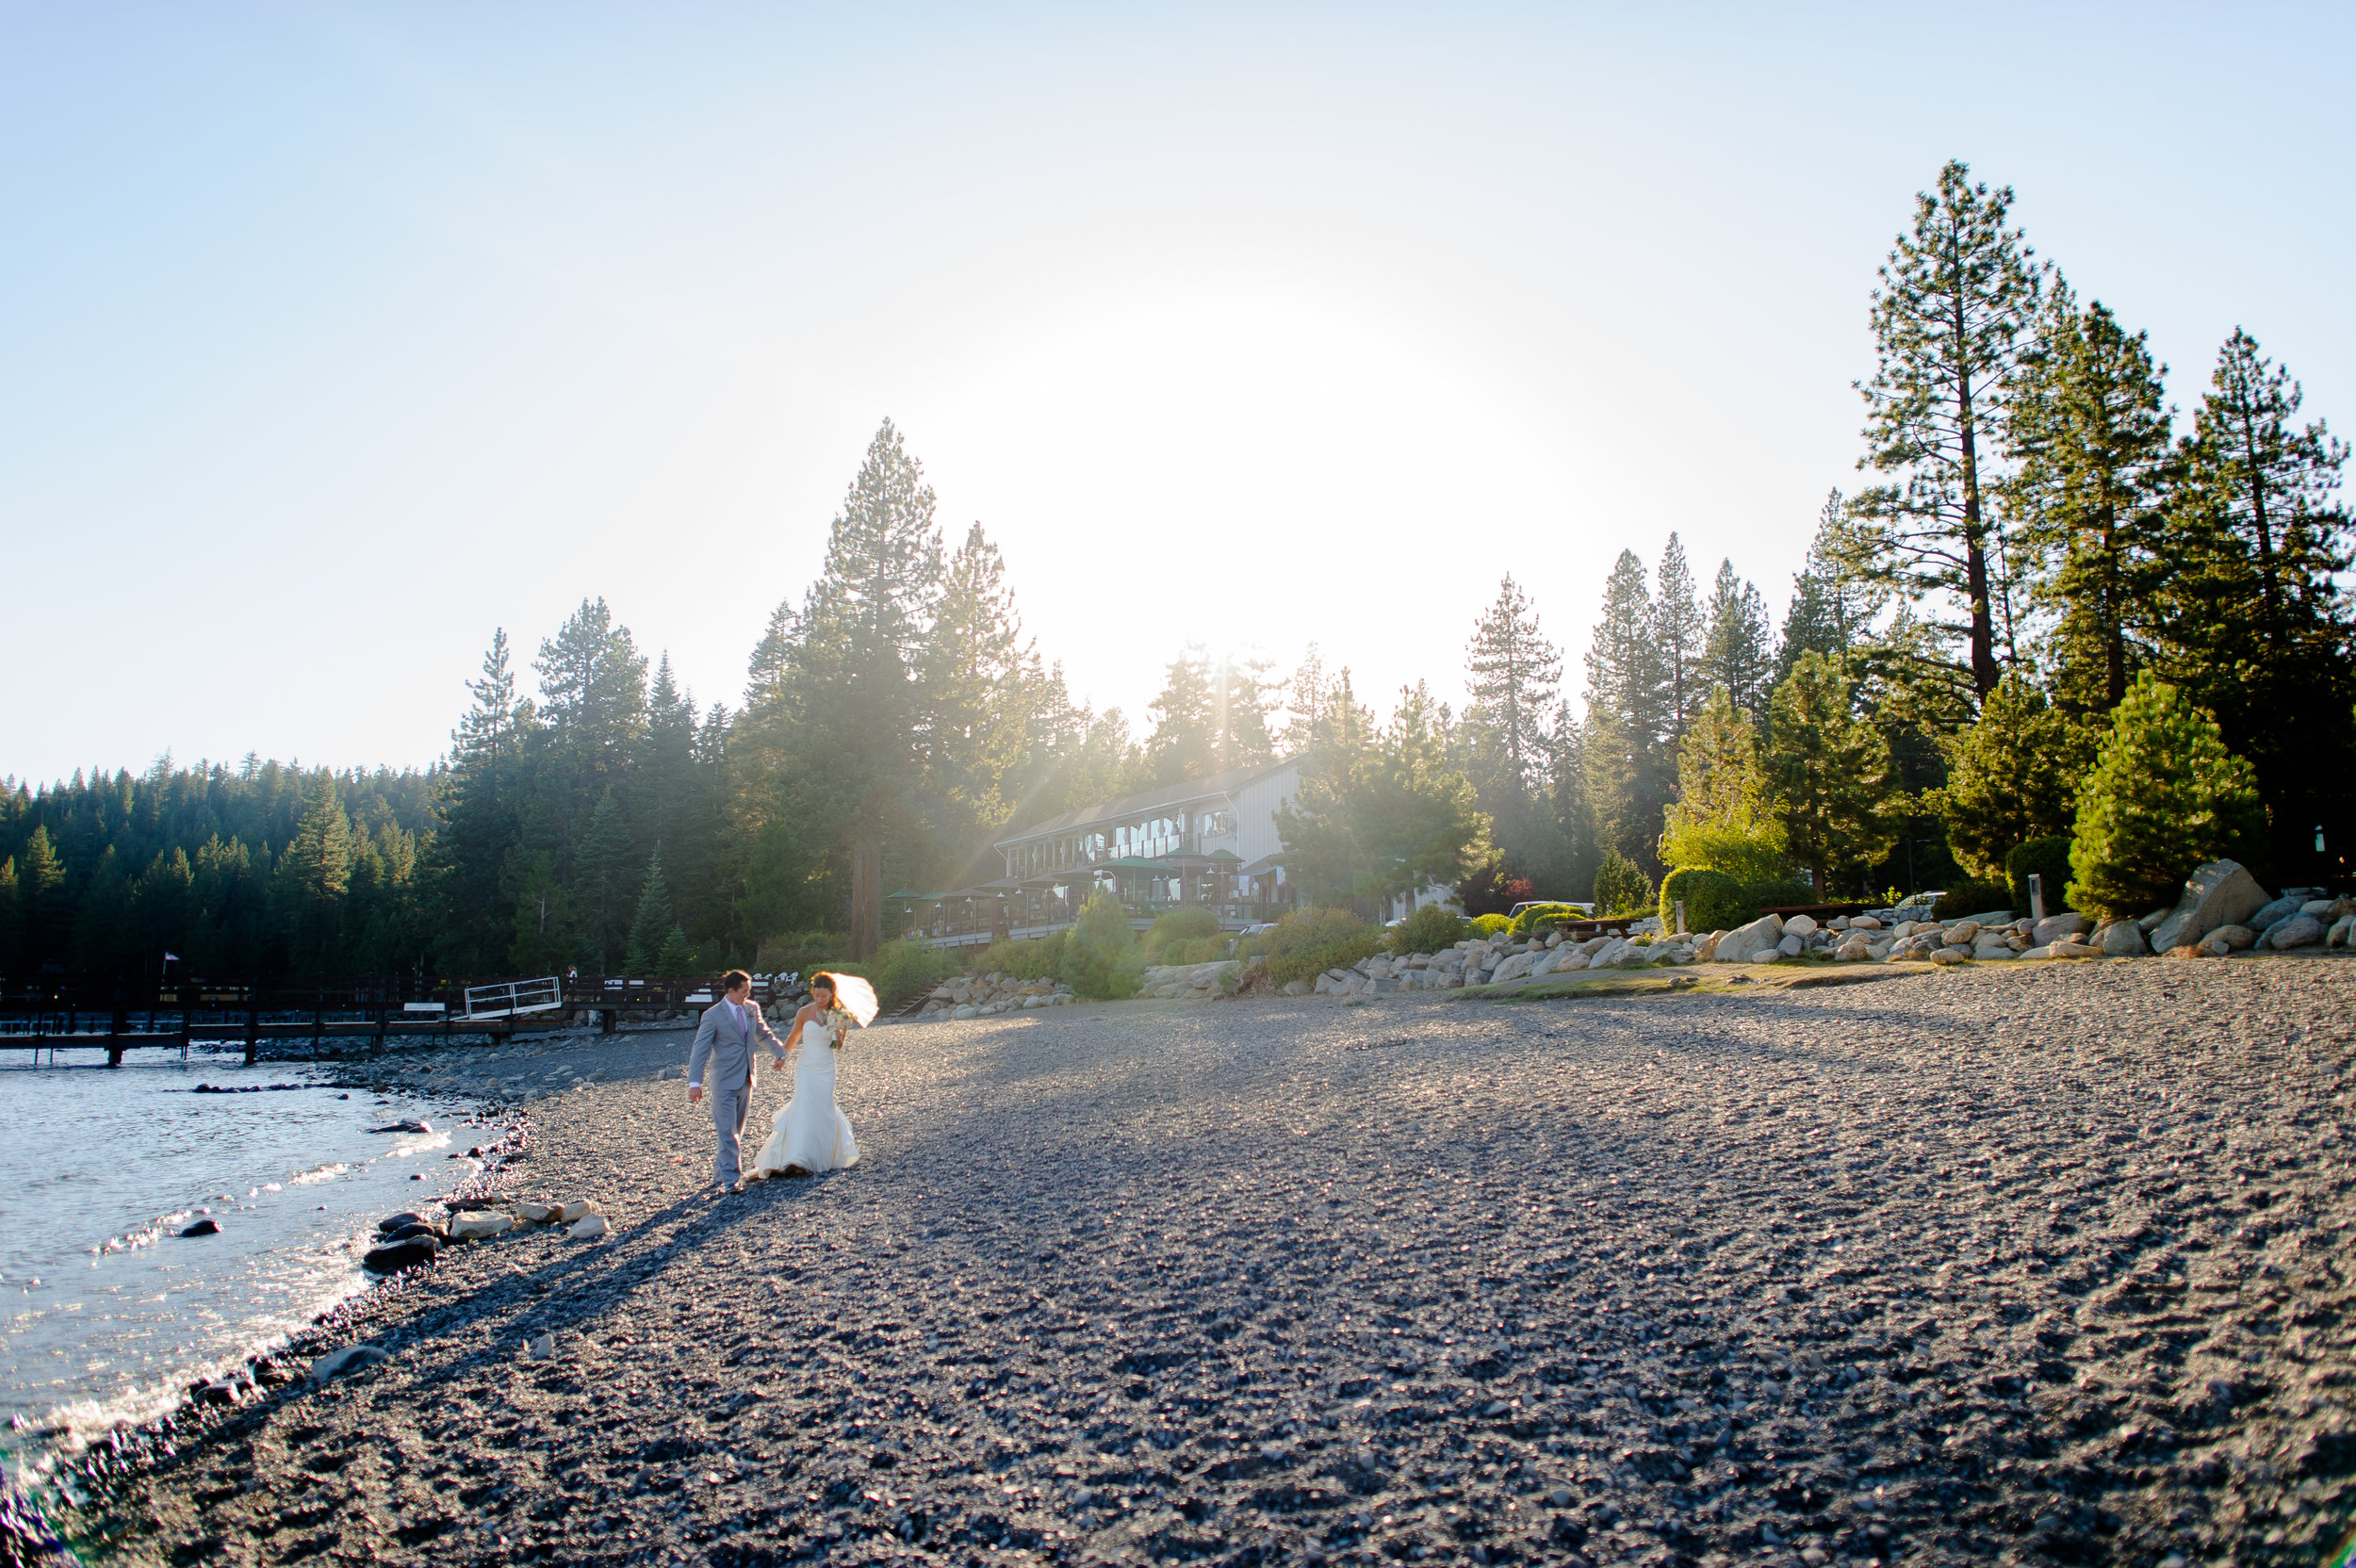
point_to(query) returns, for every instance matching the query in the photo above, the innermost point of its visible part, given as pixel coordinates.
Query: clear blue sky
(333, 336)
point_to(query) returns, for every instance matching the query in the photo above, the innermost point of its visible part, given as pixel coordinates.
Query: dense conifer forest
(2050, 589)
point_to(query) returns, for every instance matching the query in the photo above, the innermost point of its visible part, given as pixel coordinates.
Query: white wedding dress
(810, 1131)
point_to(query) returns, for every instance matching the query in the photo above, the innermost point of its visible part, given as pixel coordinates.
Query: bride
(811, 1134)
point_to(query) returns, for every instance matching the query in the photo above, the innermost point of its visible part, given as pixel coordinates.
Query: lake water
(110, 1314)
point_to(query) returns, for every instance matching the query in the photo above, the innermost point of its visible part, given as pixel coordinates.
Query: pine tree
(975, 706)
(2165, 796)
(1832, 608)
(1513, 673)
(1722, 819)
(41, 890)
(1739, 653)
(2093, 439)
(541, 936)
(2012, 776)
(1242, 696)
(2257, 626)
(593, 697)
(653, 923)
(1680, 633)
(1958, 298)
(1184, 743)
(1628, 766)
(837, 724)
(1830, 769)
(314, 875)
(1308, 700)
(601, 882)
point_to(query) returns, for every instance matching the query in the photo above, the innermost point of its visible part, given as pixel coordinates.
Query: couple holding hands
(810, 1133)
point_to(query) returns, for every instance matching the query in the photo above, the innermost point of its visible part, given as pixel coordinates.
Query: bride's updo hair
(823, 978)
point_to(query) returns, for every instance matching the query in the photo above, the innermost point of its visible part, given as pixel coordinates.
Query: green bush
(1025, 957)
(1309, 942)
(905, 968)
(1713, 900)
(799, 951)
(2165, 797)
(1100, 953)
(2050, 859)
(1621, 885)
(1972, 896)
(1544, 914)
(1489, 926)
(1194, 950)
(1180, 926)
(1433, 928)
(1780, 892)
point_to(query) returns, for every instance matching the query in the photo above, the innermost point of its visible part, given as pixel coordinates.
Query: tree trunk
(866, 898)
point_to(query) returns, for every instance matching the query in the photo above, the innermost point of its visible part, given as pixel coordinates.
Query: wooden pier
(55, 1013)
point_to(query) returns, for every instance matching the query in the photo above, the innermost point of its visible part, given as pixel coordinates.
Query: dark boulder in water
(394, 1256)
(204, 1227)
(409, 1232)
(392, 1222)
(404, 1126)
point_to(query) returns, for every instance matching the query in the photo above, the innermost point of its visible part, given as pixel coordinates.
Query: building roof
(1183, 794)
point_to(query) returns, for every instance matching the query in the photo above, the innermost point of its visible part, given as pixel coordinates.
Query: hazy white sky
(331, 338)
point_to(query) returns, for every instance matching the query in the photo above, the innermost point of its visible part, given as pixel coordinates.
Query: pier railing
(121, 1014)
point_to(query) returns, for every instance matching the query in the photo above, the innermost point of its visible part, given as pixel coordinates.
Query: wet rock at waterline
(393, 1257)
(402, 1126)
(202, 1228)
(352, 1358)
(402, 1220)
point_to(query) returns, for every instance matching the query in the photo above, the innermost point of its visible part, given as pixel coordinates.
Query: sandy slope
(2048, 1260)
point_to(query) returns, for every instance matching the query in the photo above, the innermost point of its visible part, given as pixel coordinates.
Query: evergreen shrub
(1180, 926)
(1025, 957)
(1100, 955)
(1307, 942)
(1779, 892)
(1489, 926)
(2164, 798)
(1193, 950)
(1544, 914)
(1972, 896)
(1433, 928)
(904, 969)
(1621, 885)
(1713, 900)
(2050, 859)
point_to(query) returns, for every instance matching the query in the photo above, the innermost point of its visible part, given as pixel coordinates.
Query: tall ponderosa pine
(606, 888)
(840, 711)
(1682, 634)
(2257, 622)
(1185, 742)
(592, 697)
(1512, 673)
(2093, 438)
(1739, 653)
(1830, 769)
(1630, 770)
(976, 704)
(1958, 304)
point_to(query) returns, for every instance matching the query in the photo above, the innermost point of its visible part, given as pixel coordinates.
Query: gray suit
(730, 1048)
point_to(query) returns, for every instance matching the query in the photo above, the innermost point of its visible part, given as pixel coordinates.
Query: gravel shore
(2038, 1262)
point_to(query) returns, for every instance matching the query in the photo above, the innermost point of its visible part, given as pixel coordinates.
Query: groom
(725, 1038)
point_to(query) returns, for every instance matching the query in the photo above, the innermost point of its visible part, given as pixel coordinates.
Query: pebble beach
(2032, 1260)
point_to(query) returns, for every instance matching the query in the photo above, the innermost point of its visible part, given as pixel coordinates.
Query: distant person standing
(725, 1040)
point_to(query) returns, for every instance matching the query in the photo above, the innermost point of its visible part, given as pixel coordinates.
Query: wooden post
(253, 1024)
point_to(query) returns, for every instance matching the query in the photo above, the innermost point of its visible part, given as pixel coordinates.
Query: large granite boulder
(2121, 939)
(2298, 931)
(2052, 928)
(1744, 943)
(2220, 893)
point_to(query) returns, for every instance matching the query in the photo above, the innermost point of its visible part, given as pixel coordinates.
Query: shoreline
(63, 1466)
(1315, 1282)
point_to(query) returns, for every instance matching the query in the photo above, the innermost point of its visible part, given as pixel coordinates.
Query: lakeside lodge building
(1206, 843)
